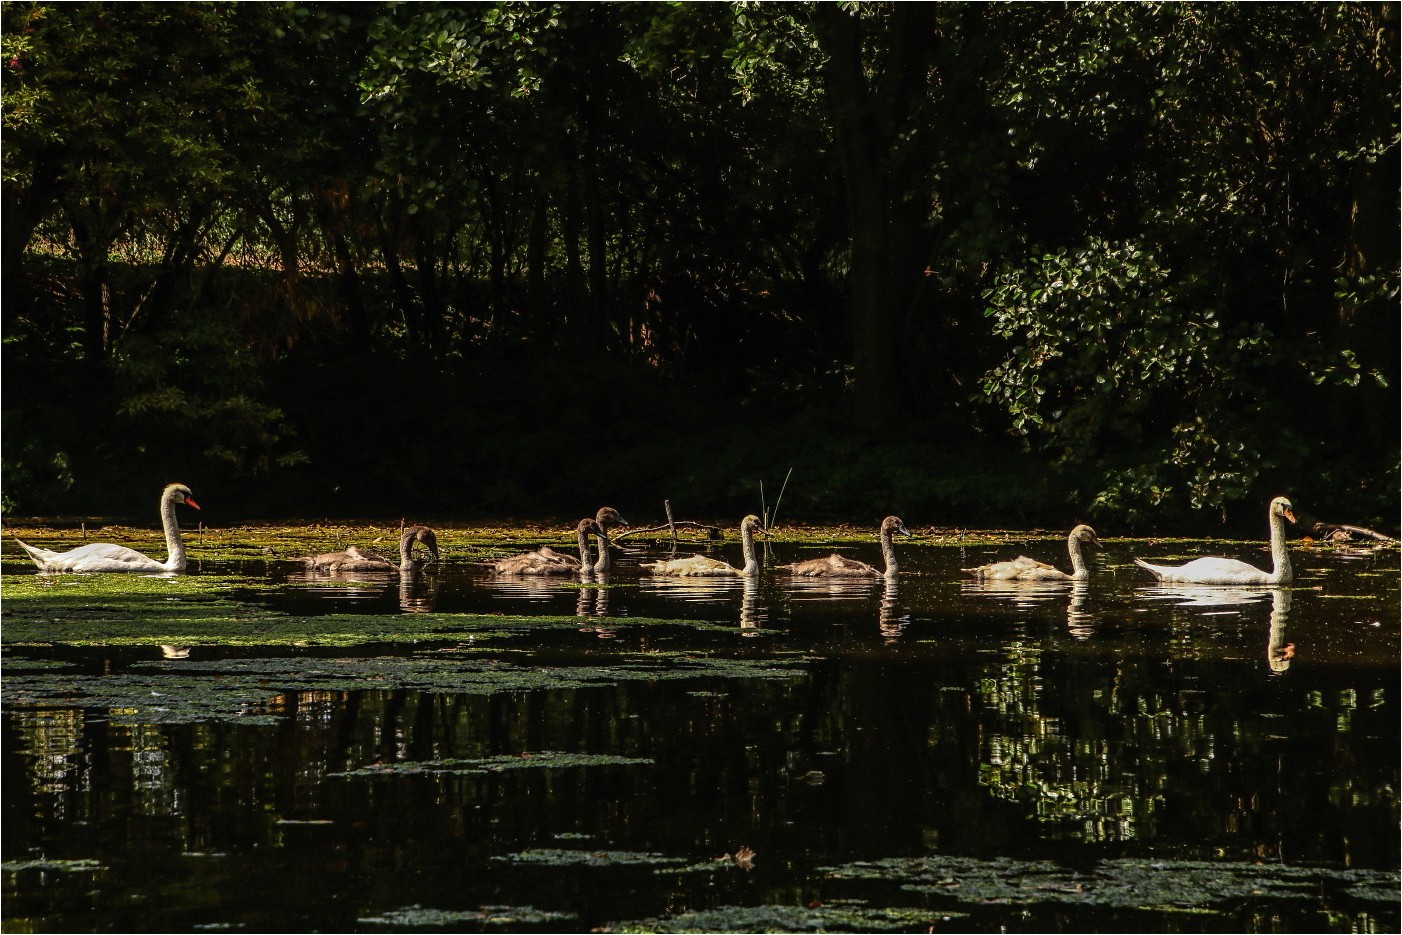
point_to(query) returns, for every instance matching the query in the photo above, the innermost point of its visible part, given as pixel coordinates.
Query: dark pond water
(709, 755)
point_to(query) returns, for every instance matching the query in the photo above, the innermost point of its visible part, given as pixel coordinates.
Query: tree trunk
(347, 277)
(867, 119)
(574, 269)
(598, 319)
(92, 249)
(537, 300)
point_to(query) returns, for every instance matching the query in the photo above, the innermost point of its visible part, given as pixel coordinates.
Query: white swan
(836, 566)
(1023, 568)
(1231, 571)
(352, 559)
(106, 557)
(701, 566)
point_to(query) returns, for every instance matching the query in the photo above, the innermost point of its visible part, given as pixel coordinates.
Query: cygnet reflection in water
(418, 593)
(1025, 595)
(1021, 594)
(699, 590)
(890, 620)
(751, 618)
(593, 599)
(342, 587)
(799, 588)
(509, 588)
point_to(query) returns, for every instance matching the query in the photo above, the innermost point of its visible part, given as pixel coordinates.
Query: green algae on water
(827, 918)
(487, 916)
(569, 857)
(545, 759)
(1129, 883)
(134, 610)
(65, 866)
(254, 691)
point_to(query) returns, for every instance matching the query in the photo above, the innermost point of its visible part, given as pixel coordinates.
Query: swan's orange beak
(1290, 515)
(190, 501)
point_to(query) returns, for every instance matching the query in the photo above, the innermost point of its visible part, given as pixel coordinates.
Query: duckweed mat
(544, 759)
(827, 918)
(251, 690)
(138, 610)
(485, 919)
(1129, 883)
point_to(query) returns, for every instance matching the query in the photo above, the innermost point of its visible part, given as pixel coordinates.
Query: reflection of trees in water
(1094, 789)
(1090, 747)
(151, 764)
(1095, 756)
(53, 745)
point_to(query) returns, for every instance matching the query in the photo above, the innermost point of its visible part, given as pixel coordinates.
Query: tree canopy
(975, 261)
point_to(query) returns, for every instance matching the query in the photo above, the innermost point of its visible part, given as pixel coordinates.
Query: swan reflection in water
(170, 651)
(1027, 595)
(1278, 651)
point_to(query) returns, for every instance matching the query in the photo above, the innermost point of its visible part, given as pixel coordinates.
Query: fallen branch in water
(712, 532)
(1339, 532)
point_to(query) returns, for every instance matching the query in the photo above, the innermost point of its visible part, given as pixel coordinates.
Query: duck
(107, 557)
(703, 566)
(1231, 571)
(352, 559)
(1023, 568)
(837, 566)
(547, 561)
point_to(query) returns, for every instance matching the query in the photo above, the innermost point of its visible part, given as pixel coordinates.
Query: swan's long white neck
(175, 546)
(1281, 572)
(747, 544)
(888, 552)
(1080, 570)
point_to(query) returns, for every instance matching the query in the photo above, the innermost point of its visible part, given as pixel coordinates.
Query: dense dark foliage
(1022, 262)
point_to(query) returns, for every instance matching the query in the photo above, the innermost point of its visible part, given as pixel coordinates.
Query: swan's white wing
(1209, 571)
(103, 556)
